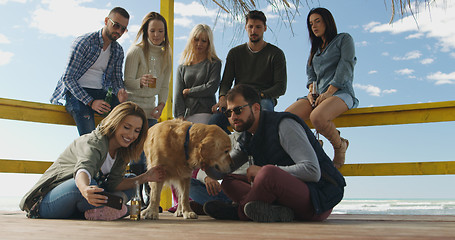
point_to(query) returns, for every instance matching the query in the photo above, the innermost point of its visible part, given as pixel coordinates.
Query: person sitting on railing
(94, 67)
(330, 71)
(92, 164)
(289, 177)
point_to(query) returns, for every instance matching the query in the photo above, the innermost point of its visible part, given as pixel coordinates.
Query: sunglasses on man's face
(236, 110)
(118, 26)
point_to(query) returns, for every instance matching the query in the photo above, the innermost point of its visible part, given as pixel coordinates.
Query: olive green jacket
(86, 152)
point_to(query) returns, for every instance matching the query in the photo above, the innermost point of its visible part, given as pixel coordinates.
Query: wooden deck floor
(14, 225)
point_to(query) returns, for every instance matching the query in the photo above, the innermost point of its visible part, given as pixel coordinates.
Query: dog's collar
(187, 141)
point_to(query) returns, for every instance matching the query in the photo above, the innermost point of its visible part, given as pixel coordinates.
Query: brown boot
(340, 153)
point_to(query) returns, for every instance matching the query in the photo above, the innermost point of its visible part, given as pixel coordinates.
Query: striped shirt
(84, 53)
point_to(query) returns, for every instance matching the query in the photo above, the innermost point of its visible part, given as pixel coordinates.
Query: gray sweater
(203, 80)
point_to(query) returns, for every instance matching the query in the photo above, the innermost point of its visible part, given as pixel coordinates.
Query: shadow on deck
(14, 225)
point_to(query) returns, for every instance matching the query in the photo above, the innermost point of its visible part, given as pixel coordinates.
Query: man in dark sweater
(255, 63)
(291, 176)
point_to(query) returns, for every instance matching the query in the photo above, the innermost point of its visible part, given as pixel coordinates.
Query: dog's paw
(178, 214)
(149, 214)
(189, 215)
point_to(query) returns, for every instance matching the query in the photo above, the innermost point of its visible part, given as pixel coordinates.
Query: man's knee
(267, 172)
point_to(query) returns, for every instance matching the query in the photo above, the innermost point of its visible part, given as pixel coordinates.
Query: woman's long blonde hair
(144, 43)
(110, 124)
(188, 52)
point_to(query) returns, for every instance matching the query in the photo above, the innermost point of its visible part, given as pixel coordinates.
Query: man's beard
(255, 40)
(111, 36)
(246, 125)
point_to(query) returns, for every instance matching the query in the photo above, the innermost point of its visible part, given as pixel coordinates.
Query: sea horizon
(384, 206)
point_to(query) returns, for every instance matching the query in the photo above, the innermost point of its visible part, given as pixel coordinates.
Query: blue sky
(398, 63)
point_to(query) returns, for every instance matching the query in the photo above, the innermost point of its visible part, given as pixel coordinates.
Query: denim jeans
(198, 193)
(83, 114)
(66, 201)
(221, 120)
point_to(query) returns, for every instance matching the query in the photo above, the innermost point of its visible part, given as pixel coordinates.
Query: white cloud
(361, 44)
(194, 9)
(371, 25)
(6, 1)
(5, 57)
(181, 38)
(427, 61)
(405, 71)
(49, 16)
(436, 21)
(373, 90)
(185, 12)
(184, 22)
(415, 35)
(442, 78)
(385, 54)
(452, 54)
(4, 39)
(410, 55)
(372, 72)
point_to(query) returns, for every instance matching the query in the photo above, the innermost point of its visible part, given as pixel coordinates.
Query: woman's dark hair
(329, 34)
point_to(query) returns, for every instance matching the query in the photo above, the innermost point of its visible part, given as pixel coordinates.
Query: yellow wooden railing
(371, 116)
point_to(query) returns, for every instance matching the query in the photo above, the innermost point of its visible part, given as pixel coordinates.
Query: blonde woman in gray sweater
(198, 77)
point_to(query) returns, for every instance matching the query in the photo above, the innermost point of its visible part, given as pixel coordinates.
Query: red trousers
(275, 186)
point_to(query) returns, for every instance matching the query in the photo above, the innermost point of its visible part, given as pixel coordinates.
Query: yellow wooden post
(167, 11)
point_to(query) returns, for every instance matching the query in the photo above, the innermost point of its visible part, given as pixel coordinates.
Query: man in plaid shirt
(94, 66)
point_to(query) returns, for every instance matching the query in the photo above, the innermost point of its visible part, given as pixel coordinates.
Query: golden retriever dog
(168, 145)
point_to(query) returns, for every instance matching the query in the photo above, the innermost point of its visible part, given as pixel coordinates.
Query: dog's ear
(206, 147)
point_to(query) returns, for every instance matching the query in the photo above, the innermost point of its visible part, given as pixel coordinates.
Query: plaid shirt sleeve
(84, 52)
(81, 57)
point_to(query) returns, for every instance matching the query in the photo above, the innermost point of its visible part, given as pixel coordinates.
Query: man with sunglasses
(94, 67)
(291, 177)
(256, 63)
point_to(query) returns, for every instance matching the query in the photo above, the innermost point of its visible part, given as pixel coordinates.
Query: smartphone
(113, 201)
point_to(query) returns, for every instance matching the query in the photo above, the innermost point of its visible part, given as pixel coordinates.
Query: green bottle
(108, 99)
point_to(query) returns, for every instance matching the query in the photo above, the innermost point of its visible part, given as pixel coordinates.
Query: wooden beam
(397, 114)
(396, 169)
(365, 169)
(36, 112)
(167, 11)
(23, 166)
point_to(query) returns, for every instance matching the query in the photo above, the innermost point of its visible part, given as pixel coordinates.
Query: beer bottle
(135, 211)
(108, 97)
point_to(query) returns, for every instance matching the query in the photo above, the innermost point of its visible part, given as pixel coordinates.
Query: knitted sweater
(136, 66)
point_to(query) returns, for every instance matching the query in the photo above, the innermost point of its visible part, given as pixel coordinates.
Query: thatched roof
(287, 9)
